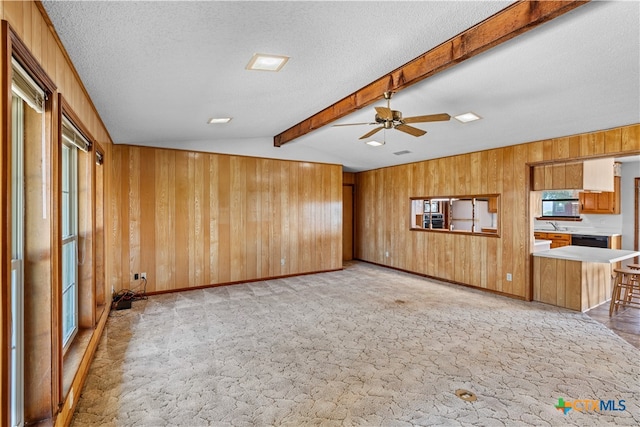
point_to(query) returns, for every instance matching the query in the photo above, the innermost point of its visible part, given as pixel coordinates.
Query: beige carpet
(362, 346)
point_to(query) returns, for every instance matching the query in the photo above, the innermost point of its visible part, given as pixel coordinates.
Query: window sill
(73, 357)
(558, 218)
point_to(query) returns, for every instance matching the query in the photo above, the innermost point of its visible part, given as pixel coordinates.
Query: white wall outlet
(143, 276)
(282, 261)
(509, 277)
(386, 254)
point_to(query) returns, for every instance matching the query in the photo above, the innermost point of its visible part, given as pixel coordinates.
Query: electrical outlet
(386, 254)
(282, 261)
(143, 276)
(136, 276)
(509, 277)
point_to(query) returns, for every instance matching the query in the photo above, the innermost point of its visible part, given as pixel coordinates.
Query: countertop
(587, 254)
(583, 232)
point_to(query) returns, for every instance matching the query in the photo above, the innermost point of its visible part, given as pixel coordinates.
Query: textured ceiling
(156, 72)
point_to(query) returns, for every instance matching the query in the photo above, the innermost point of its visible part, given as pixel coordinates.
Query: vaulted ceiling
(157, 71)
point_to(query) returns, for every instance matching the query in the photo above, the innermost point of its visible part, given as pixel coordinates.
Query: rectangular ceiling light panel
(263, 62)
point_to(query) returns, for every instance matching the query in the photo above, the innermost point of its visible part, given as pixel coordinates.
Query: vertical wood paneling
(523, 227)
(214, 220)
(163, 277)
(181, 220)
(224, 223)
(147, 207)
(509, 199)
(195, 219)
(573, 273)
(133, 201)
(560, 283)
(286, 205)
(272, 241)
(474, 260)
(252, 204)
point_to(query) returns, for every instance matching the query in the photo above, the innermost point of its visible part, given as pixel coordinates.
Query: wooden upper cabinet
(595, 175)
(493, 204)
(606, 202)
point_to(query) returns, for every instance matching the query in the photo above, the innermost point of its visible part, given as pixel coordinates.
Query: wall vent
(400, 153)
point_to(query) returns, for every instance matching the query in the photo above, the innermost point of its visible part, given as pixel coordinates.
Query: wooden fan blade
(354, 124)
(368, 134)
(384, 113)
(442, 117)
(410, 130)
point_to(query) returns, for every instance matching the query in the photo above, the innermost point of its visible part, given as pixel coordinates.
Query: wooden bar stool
(634, 266)
(626, 289)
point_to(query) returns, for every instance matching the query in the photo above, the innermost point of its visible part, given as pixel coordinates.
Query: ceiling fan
(392, 119)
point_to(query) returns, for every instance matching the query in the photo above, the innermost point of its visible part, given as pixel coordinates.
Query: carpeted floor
(365, 346)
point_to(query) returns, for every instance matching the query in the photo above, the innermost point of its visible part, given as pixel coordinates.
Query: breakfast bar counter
(575, 277)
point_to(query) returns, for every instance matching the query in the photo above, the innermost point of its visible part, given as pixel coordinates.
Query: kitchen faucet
(554, 225)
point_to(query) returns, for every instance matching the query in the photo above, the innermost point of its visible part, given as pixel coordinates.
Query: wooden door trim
(636, 215)
(508, 23)
(353, 217)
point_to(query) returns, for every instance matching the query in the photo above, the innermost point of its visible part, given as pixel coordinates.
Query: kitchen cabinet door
(601, 203)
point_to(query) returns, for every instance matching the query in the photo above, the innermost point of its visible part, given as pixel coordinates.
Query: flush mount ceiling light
(467, 117)
(218, 120)
(374, 143)
(263, 62)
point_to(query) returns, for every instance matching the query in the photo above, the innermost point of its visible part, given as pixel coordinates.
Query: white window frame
(17, 263)
(69, 172)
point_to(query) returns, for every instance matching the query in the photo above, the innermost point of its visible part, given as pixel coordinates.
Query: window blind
(73, 135)
(26, 88)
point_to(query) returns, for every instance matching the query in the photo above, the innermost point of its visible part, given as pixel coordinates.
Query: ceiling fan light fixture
(218, 120)
(374, 143)
(467, 117)
(264, 62)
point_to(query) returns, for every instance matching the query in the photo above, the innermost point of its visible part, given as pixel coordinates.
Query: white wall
(630, 171)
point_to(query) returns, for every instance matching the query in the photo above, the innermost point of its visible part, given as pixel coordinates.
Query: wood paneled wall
(42, 353)
(194, 219)
(382, 224)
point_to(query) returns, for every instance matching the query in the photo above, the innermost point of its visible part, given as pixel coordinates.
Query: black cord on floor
(129, 295)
